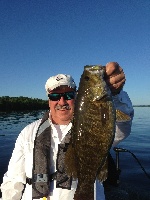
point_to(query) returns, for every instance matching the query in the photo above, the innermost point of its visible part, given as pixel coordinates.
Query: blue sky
(41, 38)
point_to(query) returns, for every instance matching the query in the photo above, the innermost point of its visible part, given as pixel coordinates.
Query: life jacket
(41, 176)
(62, 179)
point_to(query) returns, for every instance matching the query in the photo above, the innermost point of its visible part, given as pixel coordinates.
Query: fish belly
(95, 134)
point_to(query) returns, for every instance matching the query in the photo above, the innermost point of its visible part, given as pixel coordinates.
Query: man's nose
(62, 100)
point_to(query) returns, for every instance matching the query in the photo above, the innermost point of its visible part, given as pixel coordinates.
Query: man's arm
(20, 164)
(123, 129)
(115, 79)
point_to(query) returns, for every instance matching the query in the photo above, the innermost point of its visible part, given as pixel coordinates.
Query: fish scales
(92, 132)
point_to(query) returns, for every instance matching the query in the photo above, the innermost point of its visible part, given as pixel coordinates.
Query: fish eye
(86, 78)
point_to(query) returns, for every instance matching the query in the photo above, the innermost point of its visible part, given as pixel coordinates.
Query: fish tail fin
(70, 162)
(121, 116)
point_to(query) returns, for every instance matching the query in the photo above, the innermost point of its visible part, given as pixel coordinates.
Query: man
(61, 91)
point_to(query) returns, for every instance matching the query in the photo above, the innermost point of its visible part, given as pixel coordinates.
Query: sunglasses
(57, 96)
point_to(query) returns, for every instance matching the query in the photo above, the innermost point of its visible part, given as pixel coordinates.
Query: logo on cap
(58, 78)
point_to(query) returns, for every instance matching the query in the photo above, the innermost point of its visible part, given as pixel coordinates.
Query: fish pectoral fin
(103, 172)
(121, 116)
(70, 162)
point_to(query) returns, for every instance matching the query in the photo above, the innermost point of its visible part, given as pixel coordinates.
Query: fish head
(92, 83)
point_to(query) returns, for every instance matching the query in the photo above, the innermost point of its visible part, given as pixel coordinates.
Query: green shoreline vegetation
(25, 103)
(141, 105)
(22, 103)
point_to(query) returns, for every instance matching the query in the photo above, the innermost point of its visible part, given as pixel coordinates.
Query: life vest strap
(39, 178)
(53, 176)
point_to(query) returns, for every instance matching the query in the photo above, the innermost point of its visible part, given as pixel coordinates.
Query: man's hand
(115, 77)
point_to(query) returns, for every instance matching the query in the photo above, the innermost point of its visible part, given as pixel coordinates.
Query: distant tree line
(25, 103)
(22, 103)
(141, 105)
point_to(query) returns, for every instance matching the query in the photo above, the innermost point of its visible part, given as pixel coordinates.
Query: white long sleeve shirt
(123, 129)
(21, 162)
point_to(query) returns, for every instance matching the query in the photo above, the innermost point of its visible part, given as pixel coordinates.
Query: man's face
(62, 109)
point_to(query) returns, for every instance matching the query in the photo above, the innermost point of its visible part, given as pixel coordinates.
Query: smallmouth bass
(92, 132)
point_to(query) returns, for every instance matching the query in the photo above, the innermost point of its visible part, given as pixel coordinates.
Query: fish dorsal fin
(121, 116)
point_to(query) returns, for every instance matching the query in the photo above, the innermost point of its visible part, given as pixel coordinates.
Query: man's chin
(65, 116)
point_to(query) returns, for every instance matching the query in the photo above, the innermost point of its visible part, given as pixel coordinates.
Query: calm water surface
(138, 143)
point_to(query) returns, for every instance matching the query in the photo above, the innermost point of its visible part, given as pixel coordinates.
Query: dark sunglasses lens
(57, 96)
(69, 95)
(54, 97)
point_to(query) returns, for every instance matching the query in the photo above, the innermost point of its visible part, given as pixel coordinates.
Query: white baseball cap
(58, 80)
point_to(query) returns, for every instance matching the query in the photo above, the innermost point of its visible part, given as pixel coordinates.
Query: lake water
(138, 143)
